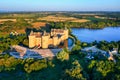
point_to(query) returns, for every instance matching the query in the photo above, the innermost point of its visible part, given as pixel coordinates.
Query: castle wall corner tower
(31, 41)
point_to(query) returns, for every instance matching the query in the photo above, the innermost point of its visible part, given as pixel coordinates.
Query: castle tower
(38, 41)
(66, 33)
(45, 39)
(31, 41)
(55, 40)
(52, 32)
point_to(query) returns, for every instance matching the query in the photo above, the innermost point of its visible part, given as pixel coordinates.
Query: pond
(90, 35)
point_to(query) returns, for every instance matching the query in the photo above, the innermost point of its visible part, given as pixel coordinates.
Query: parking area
(33, 53)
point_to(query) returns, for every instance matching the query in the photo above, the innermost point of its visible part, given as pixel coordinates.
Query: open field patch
(38, 24)
(3, 20)
(62, 19)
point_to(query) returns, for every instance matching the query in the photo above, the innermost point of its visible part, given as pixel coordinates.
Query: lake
(90, 35)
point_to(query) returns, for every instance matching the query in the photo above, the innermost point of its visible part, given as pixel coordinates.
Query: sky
(59, 5)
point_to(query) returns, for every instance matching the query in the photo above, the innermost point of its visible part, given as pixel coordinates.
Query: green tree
(76, 72)
(63, 55)
(35, 66)
(76, 49)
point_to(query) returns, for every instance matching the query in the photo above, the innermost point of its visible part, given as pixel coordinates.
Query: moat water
(90, 35)
(67, 43)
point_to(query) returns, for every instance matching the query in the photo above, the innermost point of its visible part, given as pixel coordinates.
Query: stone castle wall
(44, 40)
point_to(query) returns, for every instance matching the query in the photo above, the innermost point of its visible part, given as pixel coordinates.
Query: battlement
(44, 39)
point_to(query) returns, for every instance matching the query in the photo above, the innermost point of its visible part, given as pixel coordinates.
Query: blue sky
(60, 5)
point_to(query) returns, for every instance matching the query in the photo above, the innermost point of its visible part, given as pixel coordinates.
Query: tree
(76, 72)
(100, 69)
(76, 49)
(63, 55)
(35, 66)
(25, 42)
(10, 64)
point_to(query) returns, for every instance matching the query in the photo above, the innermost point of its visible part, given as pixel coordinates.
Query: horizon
(89, 12)
(63, 5)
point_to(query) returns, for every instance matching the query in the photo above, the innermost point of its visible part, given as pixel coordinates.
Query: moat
(90, 35)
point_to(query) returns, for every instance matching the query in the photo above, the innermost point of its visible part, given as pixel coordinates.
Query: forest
(95, 24)
(67, 65)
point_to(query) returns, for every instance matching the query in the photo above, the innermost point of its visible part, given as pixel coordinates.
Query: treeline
(6, 42)
(104, 45)
(67, 65)
(90, 25)
(19, 24)
(25, 15)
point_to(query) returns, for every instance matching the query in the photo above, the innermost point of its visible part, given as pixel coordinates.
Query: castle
(44, 39)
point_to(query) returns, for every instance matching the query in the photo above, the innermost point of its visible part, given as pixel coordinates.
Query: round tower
(31, 41)
(45, 41)
(66, 34)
